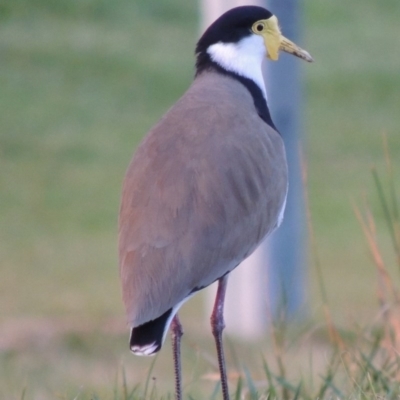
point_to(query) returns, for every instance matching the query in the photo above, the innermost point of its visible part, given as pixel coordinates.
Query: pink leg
(217, 325)
(177, 332)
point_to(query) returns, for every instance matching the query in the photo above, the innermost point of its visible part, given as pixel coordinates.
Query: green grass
(81, 82)
(352, 92)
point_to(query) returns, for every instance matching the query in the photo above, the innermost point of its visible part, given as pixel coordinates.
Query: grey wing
(193, 207)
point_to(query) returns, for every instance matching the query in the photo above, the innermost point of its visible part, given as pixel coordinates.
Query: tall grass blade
(216, 391)
(314, 247)
(387, 213)
(124, 384)
(126, 395)
(328, 379)
(369, 359)
(336, 391)
(393, 393)
(333, 333)
(233, 353)
(286, 385)
(116, 384)
(250, 384)
(23, 393)
(386, 284)
(146, 387)
(153, 393)
(371, 386)
(377, 374)
(298, 391)
(393, 197)
(239, 387)
(272, 390)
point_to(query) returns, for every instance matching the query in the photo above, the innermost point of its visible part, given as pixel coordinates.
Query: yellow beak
(275, 41)
(289, 47)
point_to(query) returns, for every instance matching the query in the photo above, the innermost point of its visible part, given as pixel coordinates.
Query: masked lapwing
(207, 184)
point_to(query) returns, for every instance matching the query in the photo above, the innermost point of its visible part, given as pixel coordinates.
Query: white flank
(282, 212)
(244, 58)
(175, 309)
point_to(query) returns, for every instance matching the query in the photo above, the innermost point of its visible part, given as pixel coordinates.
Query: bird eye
(260, 27)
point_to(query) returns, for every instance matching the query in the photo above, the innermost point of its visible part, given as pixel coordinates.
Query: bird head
(241, 37)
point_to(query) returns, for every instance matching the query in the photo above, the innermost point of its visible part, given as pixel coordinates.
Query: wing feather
(203, 189)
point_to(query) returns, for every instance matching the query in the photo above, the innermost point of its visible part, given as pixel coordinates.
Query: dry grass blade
(333, 333)
(368, 227)
(388, 295)
(388, 213)
(393, 198)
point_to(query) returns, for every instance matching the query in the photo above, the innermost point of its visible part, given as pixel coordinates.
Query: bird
(205, 186)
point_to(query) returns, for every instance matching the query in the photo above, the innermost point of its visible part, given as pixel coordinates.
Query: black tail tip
(148, 349)
(148, 338)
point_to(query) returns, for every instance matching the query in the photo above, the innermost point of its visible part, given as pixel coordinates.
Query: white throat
(244, 58)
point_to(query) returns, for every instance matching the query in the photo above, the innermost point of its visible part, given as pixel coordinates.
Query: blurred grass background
(81, 81)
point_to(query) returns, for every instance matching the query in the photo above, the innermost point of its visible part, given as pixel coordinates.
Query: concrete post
(273, 276)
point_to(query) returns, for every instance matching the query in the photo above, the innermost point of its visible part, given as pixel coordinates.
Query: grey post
(286, 247)
(273, 276)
